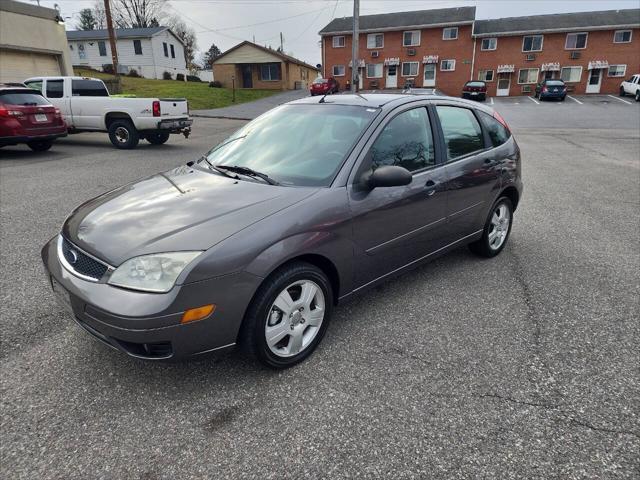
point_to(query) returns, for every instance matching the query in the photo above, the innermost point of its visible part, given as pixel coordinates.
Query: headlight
(152, 273)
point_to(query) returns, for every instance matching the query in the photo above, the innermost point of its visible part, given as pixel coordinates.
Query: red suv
(28, 117)
(323, 86)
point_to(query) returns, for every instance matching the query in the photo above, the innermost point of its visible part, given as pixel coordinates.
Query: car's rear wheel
(40, 145)
(288, 316)
(123, 134)
(157, 138)
(496, 230)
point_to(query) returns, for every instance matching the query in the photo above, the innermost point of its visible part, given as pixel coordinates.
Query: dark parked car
(256, 242)
(324, 86)
(28, 117)
(475, 90)
(551, 89)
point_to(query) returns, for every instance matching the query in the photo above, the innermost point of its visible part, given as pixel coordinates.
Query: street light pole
(355, 64)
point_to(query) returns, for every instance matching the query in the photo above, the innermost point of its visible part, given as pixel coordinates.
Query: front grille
(82, 263)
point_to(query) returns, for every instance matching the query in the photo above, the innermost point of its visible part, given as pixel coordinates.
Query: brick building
(444, 48)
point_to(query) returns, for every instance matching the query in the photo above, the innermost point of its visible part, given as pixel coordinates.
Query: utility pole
(112, 37)
(355, 64)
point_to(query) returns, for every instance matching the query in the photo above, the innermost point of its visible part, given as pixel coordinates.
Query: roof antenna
(363, 98)
(322, 99)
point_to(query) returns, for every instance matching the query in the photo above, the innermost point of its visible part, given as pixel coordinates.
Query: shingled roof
(401, 20)
(120, 33)
(560, 22)
(283, 56)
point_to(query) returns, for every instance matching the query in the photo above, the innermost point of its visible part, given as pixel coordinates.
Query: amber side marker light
(195, 314)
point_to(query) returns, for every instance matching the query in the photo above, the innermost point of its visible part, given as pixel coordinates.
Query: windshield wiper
(248, 171)
(217, 169)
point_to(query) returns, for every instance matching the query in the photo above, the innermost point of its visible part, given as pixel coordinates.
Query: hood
(183, 209)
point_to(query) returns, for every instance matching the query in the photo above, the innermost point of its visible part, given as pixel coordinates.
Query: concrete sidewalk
(250, 110)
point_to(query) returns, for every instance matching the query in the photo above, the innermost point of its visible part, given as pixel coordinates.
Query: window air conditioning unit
(373, 84)
(530, 57)
(526, 89)
(375, 54)
(574, 55)
(411, 51)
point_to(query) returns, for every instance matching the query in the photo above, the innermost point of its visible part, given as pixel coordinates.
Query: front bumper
(147, 325)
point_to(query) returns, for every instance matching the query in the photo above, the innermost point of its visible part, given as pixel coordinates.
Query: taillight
(57, 113)
(156, 108)
(499, 118)
(5, 112)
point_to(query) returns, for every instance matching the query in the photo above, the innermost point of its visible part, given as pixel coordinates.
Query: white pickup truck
(87, 107)
(631, 87)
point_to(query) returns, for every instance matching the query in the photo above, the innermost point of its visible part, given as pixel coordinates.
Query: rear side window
(55, 89)
(22, 98)
(462, 132)
(497, 132)
(35, 85)
(406, 141)
(88, 88)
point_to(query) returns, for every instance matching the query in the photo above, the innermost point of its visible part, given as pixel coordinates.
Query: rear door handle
(430, 187)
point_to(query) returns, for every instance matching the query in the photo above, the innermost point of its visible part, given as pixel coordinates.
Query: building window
(450, 33)
(410, 69)
(102, 49)
(137, 47)
(489, 44)
(528, 75)
(166, 50)
(571, 74)
(617, 70)
(447, 65)
(270, 72)
(374, 70)
(411, 39)
(338, 70)
(532, 43)
(375, 40)
(485, 75)
(173, 52)
(622, 36)
(575, 41)
(82, 53)
(338, 42)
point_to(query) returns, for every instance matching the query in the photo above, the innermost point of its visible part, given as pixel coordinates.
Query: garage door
(16, 66)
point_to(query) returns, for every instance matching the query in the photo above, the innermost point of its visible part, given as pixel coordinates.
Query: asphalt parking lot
(523, 366)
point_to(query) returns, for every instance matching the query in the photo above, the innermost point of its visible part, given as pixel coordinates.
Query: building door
(595, 79)
(247, 79)
(504, 83)
(429, 75)
(392, 76)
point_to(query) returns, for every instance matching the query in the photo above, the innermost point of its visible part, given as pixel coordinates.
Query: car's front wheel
(496, 229)
(40, 145)
(622, 92)
(637, 95)
(157, 138)
(288, 316)
(123, 134)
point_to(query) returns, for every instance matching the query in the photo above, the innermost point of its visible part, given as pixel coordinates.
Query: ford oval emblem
(74, 257)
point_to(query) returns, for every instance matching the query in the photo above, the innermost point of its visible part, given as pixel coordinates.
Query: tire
(487, 246)
(637, 95)
(40, 145)
(562, 98)
(622, 92)
(123, 134)
(157, 138)
(289, 326)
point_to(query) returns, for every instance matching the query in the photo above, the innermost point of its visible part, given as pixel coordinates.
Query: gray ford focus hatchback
(257, 241)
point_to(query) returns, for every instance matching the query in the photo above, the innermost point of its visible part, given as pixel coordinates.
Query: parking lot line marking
(491, 101)
(575, 99)
(534, 100)
(618, 98)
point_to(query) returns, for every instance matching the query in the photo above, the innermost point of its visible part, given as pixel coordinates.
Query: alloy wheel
(122, 135)
(499, 226)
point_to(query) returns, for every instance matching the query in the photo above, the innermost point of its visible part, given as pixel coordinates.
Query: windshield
(22, 97)
(555, 83)
(320, 80)
(475, 84)
(299, 145)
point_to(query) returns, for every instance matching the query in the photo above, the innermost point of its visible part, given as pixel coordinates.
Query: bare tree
(99, 16)
(187, 35)
(138, 13)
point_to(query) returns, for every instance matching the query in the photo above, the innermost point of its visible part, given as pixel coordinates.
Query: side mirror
(388, 176)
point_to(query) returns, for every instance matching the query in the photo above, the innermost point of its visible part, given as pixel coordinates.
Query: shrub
(215, 84)
(180, 77)
(107, 68)
(133, 73)
(167, 76)
(193, 78)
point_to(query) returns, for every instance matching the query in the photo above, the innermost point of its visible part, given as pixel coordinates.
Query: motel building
(591, 51)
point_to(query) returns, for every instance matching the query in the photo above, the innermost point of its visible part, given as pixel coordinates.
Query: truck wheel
(40, 145)
(157, 138)
(123, 134)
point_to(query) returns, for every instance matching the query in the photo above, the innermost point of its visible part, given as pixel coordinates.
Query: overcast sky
(227, 22)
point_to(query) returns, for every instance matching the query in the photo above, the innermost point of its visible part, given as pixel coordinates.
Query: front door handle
(430, 187)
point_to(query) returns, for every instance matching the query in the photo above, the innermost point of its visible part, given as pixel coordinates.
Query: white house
(150, 51)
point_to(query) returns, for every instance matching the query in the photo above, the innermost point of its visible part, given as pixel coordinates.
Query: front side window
(410, 69)
(375, 40)
(462, 132)
(576, 41)
(173, 52)
(270, 72)
(485, 75)
(137, 47)
(338, 42)
(406, 141)
(622, 36)
(489, 44)
(88, 88)
(498, 133)
(338, 70)
(311, 154)
(450, 33)
(448, 65)
(165, 49)
(374, 70)
(532, 43)
(102, 49)
(617, 70)
(571, 74)
(411, 39)
(55, 89)
(528, 75)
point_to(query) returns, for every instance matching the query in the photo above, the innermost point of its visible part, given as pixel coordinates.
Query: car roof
(16, 88)
(61, 77)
